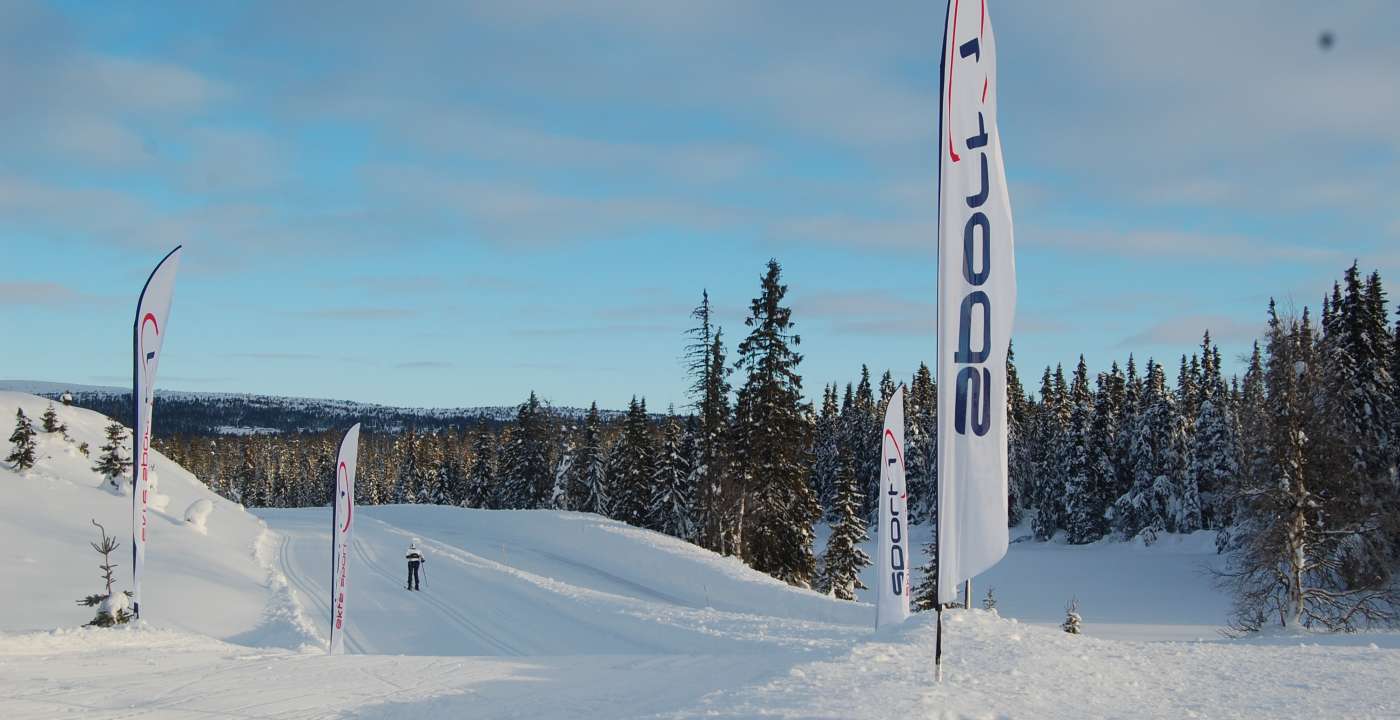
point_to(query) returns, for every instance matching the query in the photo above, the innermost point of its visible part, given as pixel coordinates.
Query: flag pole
(967, 594)
(938, 648)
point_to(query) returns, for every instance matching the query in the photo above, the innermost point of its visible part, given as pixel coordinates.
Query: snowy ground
(566, 615)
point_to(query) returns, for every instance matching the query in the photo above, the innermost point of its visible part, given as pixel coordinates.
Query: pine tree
(22, 443)
(887, 389)
(1163, 497)
(631, 466)
(921, 445)
(926, 592)
(481, 478)
(774, 425)
(588, 489)
(1214, 456)
(51, 423)
(1051, 424)
(844, 558)
(1299, 537)
(559, 496)
(670, 510)
(863, 443)
(1083, 470)
(1020, 458)
(525, 460)
(113, 463)
(406, 462)
(709, 391)
(826, 451)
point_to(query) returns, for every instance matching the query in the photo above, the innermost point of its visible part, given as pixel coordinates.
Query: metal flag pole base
(938, 648)
(967, 594)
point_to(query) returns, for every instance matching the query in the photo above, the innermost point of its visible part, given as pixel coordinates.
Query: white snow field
(564, 615)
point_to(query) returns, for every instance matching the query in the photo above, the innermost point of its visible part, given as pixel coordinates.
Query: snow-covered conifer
(774, 426)
(844, 558)
(51, 423)
(670, 510)
(113, 463)
(22, 443)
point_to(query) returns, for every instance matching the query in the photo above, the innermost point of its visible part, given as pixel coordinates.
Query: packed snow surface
(565, 615)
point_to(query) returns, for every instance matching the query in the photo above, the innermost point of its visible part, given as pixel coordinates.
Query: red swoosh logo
(344, 483)
(889, 435)
(953, 154)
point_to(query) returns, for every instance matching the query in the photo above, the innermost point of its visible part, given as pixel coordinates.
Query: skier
(415, 558)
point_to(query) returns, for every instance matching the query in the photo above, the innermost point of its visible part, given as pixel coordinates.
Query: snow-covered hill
(213, 583)
(564, 615)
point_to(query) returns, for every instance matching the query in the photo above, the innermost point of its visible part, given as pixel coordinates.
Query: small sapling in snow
(112, 609)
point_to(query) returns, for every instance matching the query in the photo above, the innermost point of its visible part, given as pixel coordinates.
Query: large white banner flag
(893, 532)
(148, 335)
(342, 522)
(976, 304)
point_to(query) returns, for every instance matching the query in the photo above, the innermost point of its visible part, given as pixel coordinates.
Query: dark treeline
(1293, 462)
(214, 413)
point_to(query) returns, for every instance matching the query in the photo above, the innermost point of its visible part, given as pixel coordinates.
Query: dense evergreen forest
(1293, 463)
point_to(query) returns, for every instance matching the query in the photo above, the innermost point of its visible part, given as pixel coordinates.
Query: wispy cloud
(425, 365)
(1196, 247)
(274, 356)
(358, 313)
(42, 294)
(596, 330)
(1186, 331)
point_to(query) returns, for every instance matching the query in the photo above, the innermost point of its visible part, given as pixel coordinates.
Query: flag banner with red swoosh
(152, 310)
(976, 304)
(342, 523)
(892, 534)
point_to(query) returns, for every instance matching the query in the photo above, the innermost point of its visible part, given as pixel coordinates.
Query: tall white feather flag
(148, 335)
(976, 304)
(342, 523)
(892, 555)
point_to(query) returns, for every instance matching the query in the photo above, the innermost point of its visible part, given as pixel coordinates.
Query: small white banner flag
(892, 555)
(342, 523)
(976, 304)
(148, 335)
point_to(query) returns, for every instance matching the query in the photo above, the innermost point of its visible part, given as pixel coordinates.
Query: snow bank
(197, 515)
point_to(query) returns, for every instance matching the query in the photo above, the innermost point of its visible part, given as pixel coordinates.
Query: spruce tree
(481, 478)
(774, 427)
(844, 558)
(559, 497)
(1083, 493)
(926, 592)
(671, 510)
(22, 445)
(887, 389)
(588, 490)
(1214, 456)
(921, 445)
(826, 451)
(1050, 425)
(1163, 497)
(863, 442)
(631, 466)
(1020, 458)
(51, 423)
(525, 468)
(113, 463)
(711, 482)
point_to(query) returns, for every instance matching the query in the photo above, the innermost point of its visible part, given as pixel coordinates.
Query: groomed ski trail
(549, 594)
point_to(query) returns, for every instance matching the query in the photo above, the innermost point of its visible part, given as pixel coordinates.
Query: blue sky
(452, 203)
